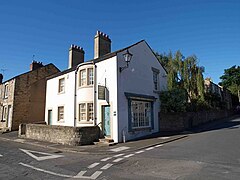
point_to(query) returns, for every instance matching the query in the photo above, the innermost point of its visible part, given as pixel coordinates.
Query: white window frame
(90, 76)
(83, 80)
(61, 85)
(87, 110)
(5, 113)
(141, 114)
(58, 117)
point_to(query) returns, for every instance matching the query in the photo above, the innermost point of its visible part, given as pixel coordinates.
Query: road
(213, 153)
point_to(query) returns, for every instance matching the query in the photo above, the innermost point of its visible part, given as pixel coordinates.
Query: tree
(231, 80)
(184, 73)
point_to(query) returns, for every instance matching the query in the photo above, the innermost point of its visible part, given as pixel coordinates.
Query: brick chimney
(1, 78)
(76, 56)
(35, 65)
(102, 44)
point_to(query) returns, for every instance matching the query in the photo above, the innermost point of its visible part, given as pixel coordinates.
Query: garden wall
(187, 120)
(60, 134)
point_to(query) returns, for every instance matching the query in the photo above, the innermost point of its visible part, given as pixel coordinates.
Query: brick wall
(187, 120)
(60, 134)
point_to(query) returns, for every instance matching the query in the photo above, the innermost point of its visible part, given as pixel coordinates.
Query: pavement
(153, 140)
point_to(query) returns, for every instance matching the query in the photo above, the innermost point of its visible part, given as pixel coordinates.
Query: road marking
(45, 171)
(79, 175)
(106, 166)
(41, 158)
(105, 159)
(163, 137)
(119, 149)
(1, 155)
(150, 148)
(117, 160)
(127, 156)
(138, 152)
(159, 145)
(93, 176)
(118, 155)
(19, 140)
(93, 165)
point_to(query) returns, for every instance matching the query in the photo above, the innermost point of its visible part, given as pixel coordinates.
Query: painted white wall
(107, 69)
(138, 79)
(66, 99)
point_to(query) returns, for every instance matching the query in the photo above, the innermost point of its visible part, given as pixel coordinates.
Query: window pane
(61, 86)
(155, 80)
(90, 111)
(83, 77)
(141, 114)
(90, 76)
(82, 112)
(60, 113)
(6, 91)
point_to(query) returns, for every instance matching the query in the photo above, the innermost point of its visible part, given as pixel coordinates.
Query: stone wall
(29, 96)
(60, 134)
(184, 121)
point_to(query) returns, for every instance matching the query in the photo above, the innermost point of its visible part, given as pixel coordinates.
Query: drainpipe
(95, 94)
(75, 95)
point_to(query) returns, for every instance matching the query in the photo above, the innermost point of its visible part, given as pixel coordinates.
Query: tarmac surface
(153, 140)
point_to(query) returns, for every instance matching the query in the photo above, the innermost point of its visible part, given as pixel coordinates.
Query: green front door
(106, 120)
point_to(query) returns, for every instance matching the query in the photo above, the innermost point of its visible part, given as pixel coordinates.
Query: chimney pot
(102, 44)
(76, 56)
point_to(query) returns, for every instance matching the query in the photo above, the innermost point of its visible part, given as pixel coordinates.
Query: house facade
(223, 93)
(119, 96)
(22, 98)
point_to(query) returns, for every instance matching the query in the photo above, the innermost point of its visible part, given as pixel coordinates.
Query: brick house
(22, 98)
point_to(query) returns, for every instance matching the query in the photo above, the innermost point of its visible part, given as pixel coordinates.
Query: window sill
(140, 129)
(85, 122)
(60, 121)
(156, 91)
(86, 86)
(59, 93)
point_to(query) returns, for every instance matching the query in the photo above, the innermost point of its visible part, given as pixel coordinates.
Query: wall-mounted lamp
(127, 57)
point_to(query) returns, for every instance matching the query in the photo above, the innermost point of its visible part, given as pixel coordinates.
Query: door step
(105, 142)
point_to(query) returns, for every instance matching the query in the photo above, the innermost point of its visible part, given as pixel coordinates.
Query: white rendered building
(121, 97)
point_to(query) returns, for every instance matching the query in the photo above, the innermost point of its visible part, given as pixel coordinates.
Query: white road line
(45, 171)
(118, 155)
(127, 156)
(119, 149)
(105, 159)
(1, 155)
(41, 158)
(80, 175)
(93, 165)
(150, 148)
(138, 152)
(159, 145)
(117, 160)
(106, 166)
(163, 137)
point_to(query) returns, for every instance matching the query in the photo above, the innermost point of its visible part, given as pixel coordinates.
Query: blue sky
(210, 29)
